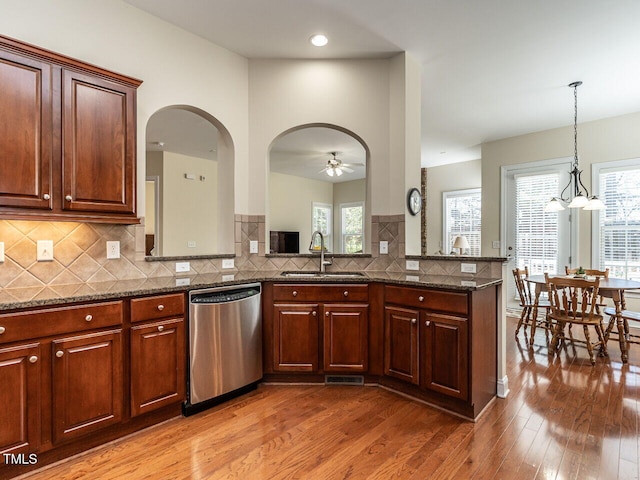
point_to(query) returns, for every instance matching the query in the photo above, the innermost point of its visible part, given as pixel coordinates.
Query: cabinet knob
(59, 353)
(160, 307)
(33, 359)
(421, 298)
(68, 198)
(160, 328)
(326, 314)
(346, 293)
(427, 323)
(2, 330)
(88, 318)
(414, 321)
(295, 294)
(46, 196)
(314, 313)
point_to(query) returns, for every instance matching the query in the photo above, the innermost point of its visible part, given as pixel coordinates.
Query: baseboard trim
(503, 387)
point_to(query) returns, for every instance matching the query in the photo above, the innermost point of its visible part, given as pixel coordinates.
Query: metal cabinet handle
(160, 328)
(421, 298)
(59, 353)
(326, 314)
(2, 330)
(414, 321)
(160, 307)
(346, 293)
(88, 318)
(295, 294)
(33, 359)
(314, 313)
(68, 198)
(427, 323)
(46, 196)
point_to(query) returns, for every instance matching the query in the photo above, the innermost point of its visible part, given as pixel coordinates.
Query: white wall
(446, 178)
(191, 214)
(290, 200)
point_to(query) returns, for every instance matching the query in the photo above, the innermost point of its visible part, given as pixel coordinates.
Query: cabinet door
(401, 344)
(87, 383)
(98, 145)
(20, 398)
(25, 132)
(157, 365)
(346, 338)
(295, 332)
(445, 355)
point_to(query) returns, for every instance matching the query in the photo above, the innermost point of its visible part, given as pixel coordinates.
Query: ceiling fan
(335, 167)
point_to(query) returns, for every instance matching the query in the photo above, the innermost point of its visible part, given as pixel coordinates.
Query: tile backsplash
(80, 253)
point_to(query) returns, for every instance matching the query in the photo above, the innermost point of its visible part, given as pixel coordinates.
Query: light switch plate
(253, 246)
(44, 252)
(468, 267)
(227, 263)
(183, 267)
(412, 265)
(113, 249)
(1, 252)
(384, 247)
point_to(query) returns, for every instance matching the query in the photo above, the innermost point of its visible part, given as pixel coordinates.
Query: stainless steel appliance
(225, 344)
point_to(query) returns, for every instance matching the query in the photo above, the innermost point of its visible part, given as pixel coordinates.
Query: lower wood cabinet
(445, 360)
(87, 383)
(401, 344)
(295, 328)
(157, 365)
(20, 393)
(345, 338)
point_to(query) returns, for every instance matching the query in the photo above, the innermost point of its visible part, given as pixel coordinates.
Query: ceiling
(490, 70)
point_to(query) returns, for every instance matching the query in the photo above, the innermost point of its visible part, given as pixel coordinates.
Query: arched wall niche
(301, 190)
(189, 194)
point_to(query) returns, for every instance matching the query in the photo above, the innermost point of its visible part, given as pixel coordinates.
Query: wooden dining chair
(527, 302)
(592, 272)
(573, 301)
(627, 316)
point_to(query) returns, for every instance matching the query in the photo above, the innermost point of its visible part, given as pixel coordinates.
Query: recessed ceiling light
(319, 40)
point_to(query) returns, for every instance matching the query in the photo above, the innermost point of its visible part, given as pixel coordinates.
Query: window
(322, 220)
(537, 233)
(462, 217)
(352, 225)
(617, 235)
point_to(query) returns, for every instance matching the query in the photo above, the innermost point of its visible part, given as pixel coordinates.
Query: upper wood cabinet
(67, 140)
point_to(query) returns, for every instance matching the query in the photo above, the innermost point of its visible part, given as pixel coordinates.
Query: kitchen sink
(322, 274)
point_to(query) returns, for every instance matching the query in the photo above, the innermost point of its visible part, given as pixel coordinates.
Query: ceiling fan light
(330, 172)
(338, 171)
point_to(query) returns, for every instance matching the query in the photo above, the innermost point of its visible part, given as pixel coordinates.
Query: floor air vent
(344, 380)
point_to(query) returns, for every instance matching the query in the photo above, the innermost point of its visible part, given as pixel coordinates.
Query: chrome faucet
(323, 262)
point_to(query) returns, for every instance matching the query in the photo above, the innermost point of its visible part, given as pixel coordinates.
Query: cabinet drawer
(321, 293)
(54, 321)
(159, 306)
(449, 302)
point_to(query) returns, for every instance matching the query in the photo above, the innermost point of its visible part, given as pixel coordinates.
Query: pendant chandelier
(580, 198)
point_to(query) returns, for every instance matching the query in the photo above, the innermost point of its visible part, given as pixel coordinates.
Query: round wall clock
(414, 201)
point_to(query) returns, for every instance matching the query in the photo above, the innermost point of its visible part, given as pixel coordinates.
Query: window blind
(619, 223)
(536, 231)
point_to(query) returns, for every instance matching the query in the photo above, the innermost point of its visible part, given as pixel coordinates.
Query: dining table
(612, 288)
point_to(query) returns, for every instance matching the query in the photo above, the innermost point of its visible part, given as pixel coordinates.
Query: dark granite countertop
(30, 297)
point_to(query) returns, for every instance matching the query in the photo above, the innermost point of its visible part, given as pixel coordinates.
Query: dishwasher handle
(225, 296)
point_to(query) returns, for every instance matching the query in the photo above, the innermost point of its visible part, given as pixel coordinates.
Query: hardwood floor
(563, 419)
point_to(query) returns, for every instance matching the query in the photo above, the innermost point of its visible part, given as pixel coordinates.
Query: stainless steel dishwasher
(225, 344)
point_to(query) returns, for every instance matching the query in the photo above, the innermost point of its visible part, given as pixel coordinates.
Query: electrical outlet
(412, 265)
(384, 247)
(1, 252)
(113, 249)
(191, 244)
(227, 263)
(182, 282)
(468, 267)
(183, 267)
(253, 246)
(228, 278)
(495, 244)
(44, 252)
